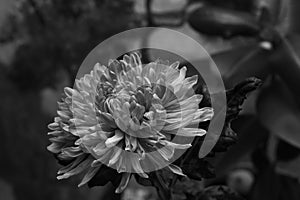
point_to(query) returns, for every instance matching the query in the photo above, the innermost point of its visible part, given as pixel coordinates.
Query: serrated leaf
(235, 98)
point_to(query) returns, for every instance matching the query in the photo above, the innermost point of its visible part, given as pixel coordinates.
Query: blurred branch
(149, 13)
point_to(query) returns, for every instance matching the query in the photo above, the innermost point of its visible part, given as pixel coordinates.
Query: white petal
(175, 145)
(166, 152)
(78, 169)
(89, 175)
(124, 182)
(116, 156)
(176, 170)
(113, 141)
(188, 132)
(203, 114)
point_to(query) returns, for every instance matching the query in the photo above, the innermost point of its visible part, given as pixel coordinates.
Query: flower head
(127, 116)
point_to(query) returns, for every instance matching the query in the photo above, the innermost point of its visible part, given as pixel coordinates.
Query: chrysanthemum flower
(127, 116)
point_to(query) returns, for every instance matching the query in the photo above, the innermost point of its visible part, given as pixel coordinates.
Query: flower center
(104, 91)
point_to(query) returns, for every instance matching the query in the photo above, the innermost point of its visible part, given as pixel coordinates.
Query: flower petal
(78, 169)
(89, 175)
(176, 170)
(113, 141)
(124, 182)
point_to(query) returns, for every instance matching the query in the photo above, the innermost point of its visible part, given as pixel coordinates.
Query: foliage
(56, 35)
(274, 58)
(241, 5)
(220, 21)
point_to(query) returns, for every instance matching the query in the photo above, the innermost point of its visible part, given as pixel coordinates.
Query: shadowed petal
(124, 182)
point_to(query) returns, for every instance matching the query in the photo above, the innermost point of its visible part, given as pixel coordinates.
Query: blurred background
(43, 43)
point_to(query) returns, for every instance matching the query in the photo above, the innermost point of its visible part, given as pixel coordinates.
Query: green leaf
(223, 22)
(250, 134)
(279, 113)
(290, 168)
(285, 62)
(237, 64)
(288, 160)
(294, 6)
(199, 168)
(161, 183)
(235, 98)
(227, 60)
(254, 62)
(270, 186)
(286, 152)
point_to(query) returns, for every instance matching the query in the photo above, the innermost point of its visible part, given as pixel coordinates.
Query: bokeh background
(43, 42)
